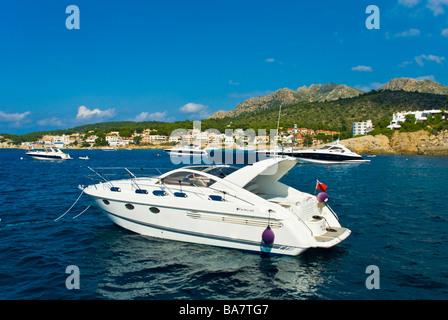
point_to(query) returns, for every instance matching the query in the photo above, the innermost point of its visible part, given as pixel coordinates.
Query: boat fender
(268, 236)
(322, 197)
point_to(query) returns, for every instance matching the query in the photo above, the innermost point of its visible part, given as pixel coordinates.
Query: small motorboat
(190, 150)
(109, 149)
(84, 158)
(243, 208)
(48, 154)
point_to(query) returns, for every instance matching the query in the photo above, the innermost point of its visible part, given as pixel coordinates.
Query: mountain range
(326, 92)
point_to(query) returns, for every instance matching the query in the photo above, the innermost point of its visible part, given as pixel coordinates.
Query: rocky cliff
(409, 84)
(285, 96)
(401, 143)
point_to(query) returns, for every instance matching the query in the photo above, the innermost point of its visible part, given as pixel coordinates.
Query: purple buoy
(268, 236)
(322, 197)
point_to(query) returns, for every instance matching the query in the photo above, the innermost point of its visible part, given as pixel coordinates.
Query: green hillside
(335, 115)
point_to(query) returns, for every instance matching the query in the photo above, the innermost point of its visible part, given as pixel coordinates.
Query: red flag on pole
(320, 186)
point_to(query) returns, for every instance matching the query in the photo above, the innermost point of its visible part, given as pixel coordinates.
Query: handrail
(332, 211)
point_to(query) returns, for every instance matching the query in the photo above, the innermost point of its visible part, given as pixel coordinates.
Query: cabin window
(106, 202)
(159, 193)
(215, 198)
(129, 206)
(180, 194)
(154, 210)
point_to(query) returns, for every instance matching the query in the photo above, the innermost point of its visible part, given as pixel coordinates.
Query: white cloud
(431, 77)
(409, 3)
(362, 69)
(195, 110)
(270, 60)
(85, 113)
(444, 32)
(405, 63)
(371, 86)
(436, 6)
(408, 33)
(155, 116)
(419, 59)
(192, 108)
(13, 117)
(53, 121)
(248, 95)
(234, 83)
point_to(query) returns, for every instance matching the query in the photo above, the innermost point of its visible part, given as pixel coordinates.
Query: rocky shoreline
(420, 143)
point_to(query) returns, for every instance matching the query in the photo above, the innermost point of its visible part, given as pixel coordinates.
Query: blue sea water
(396, 207)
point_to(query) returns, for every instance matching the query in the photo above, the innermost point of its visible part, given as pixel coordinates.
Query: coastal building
(113, 139)
(420, 116)
(362, 127)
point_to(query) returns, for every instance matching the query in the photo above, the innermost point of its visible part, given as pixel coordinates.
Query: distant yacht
(191, 150)
(328, 154)
(48, 154)
(109, 149)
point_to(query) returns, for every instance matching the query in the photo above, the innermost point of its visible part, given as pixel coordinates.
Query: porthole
(106, 202)
(154, 210)
(129, 206)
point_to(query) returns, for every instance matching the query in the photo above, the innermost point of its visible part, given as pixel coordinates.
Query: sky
(143, 60)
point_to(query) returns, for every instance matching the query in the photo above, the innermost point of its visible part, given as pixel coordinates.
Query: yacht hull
(206, 227)
(48, 157)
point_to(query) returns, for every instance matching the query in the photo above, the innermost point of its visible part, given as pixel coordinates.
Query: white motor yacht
(191, 150)
(48, 154)
(110, 148)
(328, 154)
(221, 205)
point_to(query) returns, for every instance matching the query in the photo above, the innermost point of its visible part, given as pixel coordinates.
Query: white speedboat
(242, 208)
(109, 149)
(328, 154)
(274, 151)
(48, 154)
(190, 150)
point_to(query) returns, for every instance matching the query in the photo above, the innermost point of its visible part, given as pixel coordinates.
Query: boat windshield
(185, 178)
(221, 171)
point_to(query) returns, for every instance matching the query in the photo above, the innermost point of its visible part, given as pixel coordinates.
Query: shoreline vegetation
(406, 143)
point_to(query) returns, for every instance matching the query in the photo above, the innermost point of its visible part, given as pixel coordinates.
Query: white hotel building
(420, 116)
(362, 127)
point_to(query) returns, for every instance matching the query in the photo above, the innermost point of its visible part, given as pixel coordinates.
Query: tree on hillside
(125, 132)
(101, 142)
(137, 139)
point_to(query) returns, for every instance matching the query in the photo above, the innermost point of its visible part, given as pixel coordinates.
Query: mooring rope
(81, 212)
(70, 207)
(43, 221)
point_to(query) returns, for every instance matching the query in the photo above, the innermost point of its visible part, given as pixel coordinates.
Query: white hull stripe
(208, 236)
